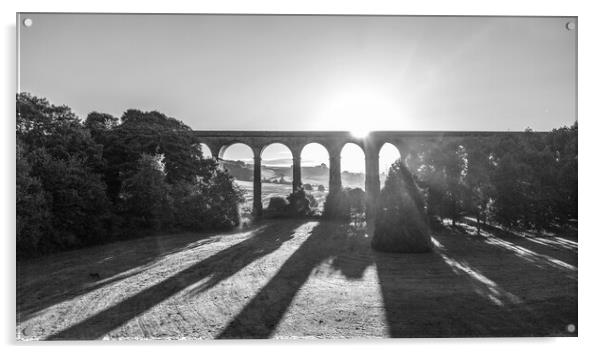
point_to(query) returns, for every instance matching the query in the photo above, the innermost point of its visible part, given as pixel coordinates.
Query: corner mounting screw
(570, 26)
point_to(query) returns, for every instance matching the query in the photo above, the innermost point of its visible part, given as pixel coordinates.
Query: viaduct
(405, 141)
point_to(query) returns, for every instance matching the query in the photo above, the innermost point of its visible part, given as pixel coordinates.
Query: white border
(590, 99)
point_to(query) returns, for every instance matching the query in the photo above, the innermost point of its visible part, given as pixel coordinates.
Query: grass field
(302, 279)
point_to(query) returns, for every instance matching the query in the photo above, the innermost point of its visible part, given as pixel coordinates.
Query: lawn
(302, 279)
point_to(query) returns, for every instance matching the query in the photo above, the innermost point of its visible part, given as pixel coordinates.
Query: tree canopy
(517, 180)
(80, 183)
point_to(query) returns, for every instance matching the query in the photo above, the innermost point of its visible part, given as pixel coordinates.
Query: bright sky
(308, 72)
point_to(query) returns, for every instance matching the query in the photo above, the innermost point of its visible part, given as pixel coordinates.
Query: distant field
(269, 190)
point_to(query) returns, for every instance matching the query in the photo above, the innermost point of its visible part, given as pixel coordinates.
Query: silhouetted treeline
(82, 183)
(517, 180)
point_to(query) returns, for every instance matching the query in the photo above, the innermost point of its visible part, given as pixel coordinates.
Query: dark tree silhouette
(85, 183)
(400, 224)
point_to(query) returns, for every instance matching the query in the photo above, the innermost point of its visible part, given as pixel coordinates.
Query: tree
(526, 180)
(299, 202)
(144, 197)
(57, 178)
(522, 177)
(150, 165)
(478, 191)
(441, 168)
(337, 206)
(563, 146)
(32, 207)
(151, 133)
(453, 163)
(97, 122)
(400, 223)
(357, 203)
(57, 130)
(80, 211)
(207, 204)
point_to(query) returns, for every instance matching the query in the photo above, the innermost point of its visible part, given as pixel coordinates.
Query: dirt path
(308, 279)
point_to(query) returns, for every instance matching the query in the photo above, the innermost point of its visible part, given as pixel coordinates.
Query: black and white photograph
(295, 176)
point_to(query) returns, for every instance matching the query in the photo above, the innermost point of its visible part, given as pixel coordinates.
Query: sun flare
(361, 111)
(359, 133)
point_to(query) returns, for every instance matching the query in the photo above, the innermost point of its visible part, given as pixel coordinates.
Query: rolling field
(269, 190)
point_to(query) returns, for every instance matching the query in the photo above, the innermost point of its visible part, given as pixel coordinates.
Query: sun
(359, 133)
(360, 111)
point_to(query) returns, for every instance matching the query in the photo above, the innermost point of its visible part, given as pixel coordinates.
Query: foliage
(149, 133)
(401, 223)
(97, 123)
(357, 200)
(207, 205)
(277, 203)
(300, 202)
(33, 214)
(337, 206)
(478, 190)
(61, 200)
(57, 130)
(79, 209)
(524, 180)
(85, 183)
(81, 183)
(277, 207)
(297, 204)
(144, 200)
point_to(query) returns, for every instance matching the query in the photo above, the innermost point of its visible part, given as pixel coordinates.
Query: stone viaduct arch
(405, 141)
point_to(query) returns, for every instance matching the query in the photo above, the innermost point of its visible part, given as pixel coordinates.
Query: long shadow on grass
(424, 297)
(215, 269)
(469, 288)
(52, 279)
(438, 294)
(528, 244)
(534, 275)
(328, 240)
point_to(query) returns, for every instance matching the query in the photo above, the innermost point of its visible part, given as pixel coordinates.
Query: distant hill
(315, 175)
(277, 162)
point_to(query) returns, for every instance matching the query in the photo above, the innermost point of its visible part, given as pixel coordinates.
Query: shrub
(308, 187)
(337, 206)
(401, 224)
(300, 202)
(313, 203)
(223, 198)
(212, 204)
(357, 200)
(277, 207)
(321, 188)
(277, 204)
